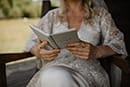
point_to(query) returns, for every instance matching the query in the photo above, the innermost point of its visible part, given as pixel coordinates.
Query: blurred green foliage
(19, 8)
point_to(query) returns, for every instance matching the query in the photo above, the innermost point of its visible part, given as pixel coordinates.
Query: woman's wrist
(35, 51)
(103, 51)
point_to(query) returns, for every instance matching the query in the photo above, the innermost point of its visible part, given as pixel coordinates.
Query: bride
(76, 65)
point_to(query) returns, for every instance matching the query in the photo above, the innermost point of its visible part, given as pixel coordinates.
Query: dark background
(120, 11)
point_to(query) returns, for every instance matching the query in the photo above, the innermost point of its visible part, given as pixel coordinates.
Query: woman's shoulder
(100, 11)
(54, 11)
(51, 14)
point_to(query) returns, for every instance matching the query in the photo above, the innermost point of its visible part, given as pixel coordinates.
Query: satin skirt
(58, 76)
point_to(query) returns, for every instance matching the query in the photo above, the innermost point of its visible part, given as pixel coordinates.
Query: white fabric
(59, 76)
(115, 76)
(102, 31)
(91, 70)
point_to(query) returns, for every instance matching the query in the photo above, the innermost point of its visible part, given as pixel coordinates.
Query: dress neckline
(65, 23)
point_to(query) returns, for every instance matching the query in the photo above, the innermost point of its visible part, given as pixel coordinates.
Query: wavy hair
(86, 6)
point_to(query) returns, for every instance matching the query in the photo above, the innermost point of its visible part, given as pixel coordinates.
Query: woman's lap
(60, 76)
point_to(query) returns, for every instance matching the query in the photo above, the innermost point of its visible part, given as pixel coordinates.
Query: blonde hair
(86, 6)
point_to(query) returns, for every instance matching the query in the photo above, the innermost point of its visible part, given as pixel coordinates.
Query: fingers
(78, 44)
(80, 49)
(52, 56)
(49, 57)
(42, 44)
(85, 49)
(49, 54)
(82, 57)
(82, 53)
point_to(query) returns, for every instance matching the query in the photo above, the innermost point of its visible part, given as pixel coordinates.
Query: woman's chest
(87, 32)
(90, 33)
(74, 19)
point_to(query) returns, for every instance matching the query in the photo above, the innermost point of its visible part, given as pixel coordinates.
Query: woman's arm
(112, 41)
(104, 51)
(87, 51)
(38, 49)
(111, 35)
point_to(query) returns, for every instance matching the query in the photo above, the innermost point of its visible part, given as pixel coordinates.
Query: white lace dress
(102, 31)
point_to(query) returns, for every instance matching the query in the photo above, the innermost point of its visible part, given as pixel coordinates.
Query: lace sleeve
(112, 36)
(45, 25)
(99, 3)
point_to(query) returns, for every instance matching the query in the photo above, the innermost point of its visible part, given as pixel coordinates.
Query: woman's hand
(83, 50)
(41, 52)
